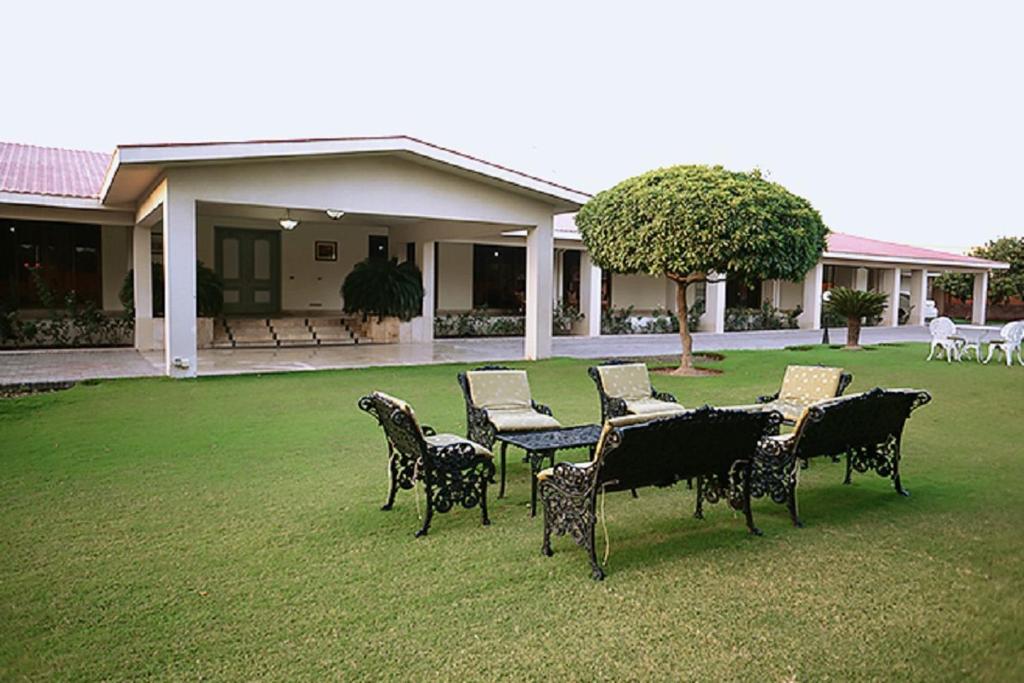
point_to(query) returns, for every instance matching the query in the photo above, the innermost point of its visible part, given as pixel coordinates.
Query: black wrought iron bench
(867, 428)
(716, 446)
(804, 385)
(498, 401)
(624, 388)
(454, 470)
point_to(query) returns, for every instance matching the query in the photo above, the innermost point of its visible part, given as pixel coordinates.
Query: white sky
(900, 121)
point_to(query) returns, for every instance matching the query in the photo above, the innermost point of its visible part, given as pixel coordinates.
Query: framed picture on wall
(326, 251)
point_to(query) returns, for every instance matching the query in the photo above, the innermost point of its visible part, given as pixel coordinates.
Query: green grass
(228, 529)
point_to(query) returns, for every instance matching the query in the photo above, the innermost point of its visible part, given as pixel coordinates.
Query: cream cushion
(441, 440)
(520, 420)
(505, 395)
(399, 403)
(507, 389)
(808, 383)
(628, 381)
(652, 406)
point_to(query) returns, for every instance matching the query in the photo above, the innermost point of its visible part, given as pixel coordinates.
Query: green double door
(249, 262)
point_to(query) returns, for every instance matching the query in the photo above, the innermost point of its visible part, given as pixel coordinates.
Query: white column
(179, 223)
(540, 246)
(891, 287)
(774, 296)
(979, 302)
(423, 326)
(590, 296)
(558, 277)
(713, 319)
(860, 279)
(142, 283)
(918, 295)
(810, 319)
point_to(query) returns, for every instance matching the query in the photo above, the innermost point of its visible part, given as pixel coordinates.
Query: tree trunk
(686, 359)
(853, 333)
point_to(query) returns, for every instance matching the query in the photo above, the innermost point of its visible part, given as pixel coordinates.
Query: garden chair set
(948, 340)
(646, 438)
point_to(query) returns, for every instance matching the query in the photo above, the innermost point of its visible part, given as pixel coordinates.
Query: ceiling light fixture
(288, 223)
(334, 214)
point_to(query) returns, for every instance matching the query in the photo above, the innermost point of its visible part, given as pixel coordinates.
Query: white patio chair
(1009, 342)
(943, 332)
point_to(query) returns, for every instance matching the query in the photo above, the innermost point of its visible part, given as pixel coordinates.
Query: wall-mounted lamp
(334, 214)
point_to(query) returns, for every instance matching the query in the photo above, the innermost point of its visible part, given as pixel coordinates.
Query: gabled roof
(132, 165)
(842, 245)
(51, 171)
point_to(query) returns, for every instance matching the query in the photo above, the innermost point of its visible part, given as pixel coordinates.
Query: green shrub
(209, 292)
(383, 287)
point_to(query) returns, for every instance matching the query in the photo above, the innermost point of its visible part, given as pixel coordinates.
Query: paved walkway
(17, 367)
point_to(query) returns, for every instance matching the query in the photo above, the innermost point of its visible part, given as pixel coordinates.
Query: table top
(553, 439)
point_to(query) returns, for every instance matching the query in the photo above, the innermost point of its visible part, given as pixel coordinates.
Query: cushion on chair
(499, 388)
(546, 473)
(449, 439)
(628, 381)
(809, 383)
(520, 420)
(791, 408)
(651, 407)
(399, 403)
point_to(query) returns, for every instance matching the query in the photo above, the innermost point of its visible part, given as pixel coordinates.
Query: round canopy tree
(696, 223)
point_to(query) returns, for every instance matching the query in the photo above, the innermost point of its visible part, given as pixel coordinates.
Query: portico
(401, 189)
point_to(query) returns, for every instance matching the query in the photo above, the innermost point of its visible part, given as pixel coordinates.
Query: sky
(898, 120)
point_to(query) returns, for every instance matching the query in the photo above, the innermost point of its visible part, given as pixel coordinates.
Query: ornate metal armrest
(768, 398)
(616, 407)
(541, 408)
(479, 427)
(664, 396)
(773, 470)
(428, 430)
(922, 398)
(570, 480)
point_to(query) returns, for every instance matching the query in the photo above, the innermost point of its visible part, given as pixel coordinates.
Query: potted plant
(209, 298)
(854, 305)
(384, 292)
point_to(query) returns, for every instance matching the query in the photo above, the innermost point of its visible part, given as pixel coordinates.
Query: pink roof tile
(28, 169)
(841, 243)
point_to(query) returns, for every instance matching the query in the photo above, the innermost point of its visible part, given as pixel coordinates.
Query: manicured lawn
(228, 529)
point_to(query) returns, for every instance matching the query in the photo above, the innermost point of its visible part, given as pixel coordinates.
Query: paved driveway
(17, 367)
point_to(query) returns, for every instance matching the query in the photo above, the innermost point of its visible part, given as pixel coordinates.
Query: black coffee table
(540, 447)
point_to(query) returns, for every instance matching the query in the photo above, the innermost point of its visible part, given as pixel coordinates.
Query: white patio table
(974, 336)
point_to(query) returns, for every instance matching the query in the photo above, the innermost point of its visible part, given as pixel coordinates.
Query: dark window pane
(499, 278)
(66, 257)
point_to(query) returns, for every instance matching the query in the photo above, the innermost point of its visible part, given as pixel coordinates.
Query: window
(499, 278)
(741, 294)
(378, 246)
(65, 255)
(571, 278)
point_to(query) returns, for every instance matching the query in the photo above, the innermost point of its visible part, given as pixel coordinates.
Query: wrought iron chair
(1009, 342)
(944, 339)
(867, 428)
(498, 400)
(624, 388)
(717, 446)
(804, 385)
(454, 470)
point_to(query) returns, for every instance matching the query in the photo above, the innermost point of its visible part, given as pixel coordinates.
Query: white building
(484, 236)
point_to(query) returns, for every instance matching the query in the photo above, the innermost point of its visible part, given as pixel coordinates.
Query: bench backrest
(865, 420)
(635, 452)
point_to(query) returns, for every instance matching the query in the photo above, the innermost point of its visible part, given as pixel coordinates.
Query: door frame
(274, 237)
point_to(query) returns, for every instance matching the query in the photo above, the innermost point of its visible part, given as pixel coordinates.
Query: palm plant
(383, 287)
(855, 305)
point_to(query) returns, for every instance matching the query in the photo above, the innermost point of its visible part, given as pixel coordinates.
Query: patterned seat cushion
(449, 439)
(805, 384)
(791, 408)
(505, 395)
(628, 381)
(651, 406)
(520, 420)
